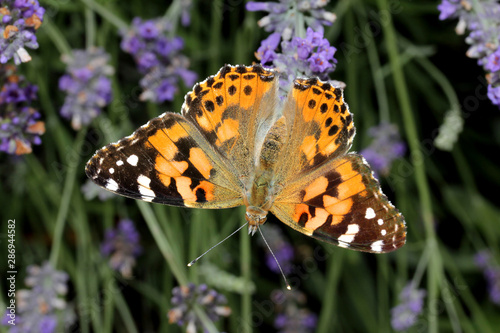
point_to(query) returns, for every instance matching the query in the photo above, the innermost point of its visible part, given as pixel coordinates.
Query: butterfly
(238, 143)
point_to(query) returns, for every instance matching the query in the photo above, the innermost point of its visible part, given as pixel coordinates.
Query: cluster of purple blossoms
(121, 245)
(185, 297)
(405, 314)
(41, 308)
(158, 58)
(19, 20)
(86, 84)
(302, 52)
(284, 14)
(481, 19)
(491, 272)
(385, 147)
(282, 249)
(19, 127)
(291, 316)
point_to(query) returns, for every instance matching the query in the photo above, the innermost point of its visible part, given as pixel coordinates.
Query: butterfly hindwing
(166, 161)
(342, 203)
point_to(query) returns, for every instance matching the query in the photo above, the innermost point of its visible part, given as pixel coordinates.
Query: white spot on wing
(119, 162)
(377, 246)
(370, 213)
(111, 185)
(132, 160)
(383, 232)
(147, 193)
(348, 237)
(111, 170)
(380, 221)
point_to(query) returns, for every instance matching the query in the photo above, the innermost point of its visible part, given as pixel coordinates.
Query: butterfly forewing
(234, 109)
(320, 128)
(166, 161)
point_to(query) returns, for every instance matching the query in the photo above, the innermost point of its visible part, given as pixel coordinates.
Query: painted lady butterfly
(237, 144)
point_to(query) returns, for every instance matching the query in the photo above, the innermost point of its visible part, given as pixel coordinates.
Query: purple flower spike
(449, 9)
(42, 307)
(291, 317)
(185, 297)
(494, 94)
(19, 124)
(405, 314)
(493, 61)
(491, 272)
(385, 148)
(86, 84)
(266, 53)
(157, 57)
(282, 15)
(19, 21)
(481, 19)
(282, 249)
(122, 247)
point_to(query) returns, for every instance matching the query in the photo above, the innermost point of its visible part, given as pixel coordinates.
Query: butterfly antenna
(210, 249)
(277, 262)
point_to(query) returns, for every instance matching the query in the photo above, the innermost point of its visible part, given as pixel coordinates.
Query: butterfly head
(255, 216)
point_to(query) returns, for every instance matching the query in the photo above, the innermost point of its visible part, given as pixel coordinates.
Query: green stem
(376, 69)
(326, 322)
(441, 80)
(69, 183)
(173, 15)
(89, 28)
(107, 14)
(418, 164)
(56, 36)
(162, 243)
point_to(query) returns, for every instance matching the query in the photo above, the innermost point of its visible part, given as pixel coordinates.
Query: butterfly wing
(342, 203)
(167, 161)
(325, 192)
(198, 159)
(319, 127)
(234, 110)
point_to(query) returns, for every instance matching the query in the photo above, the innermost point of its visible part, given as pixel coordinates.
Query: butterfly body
(237, 144)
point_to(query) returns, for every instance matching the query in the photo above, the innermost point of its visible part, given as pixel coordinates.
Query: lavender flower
(491, 273)
(41, 308)
(86, 84)
(296, 321)
(405, 314)
(385, 148)
(481, 19)
(291, 317)
(301, 52)
(122, 246)
(309, 56)
(185, 297)
(158, 58)
(19, 20)
(284, 14)
(185, 7)
(282, 249)
(19, 127)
